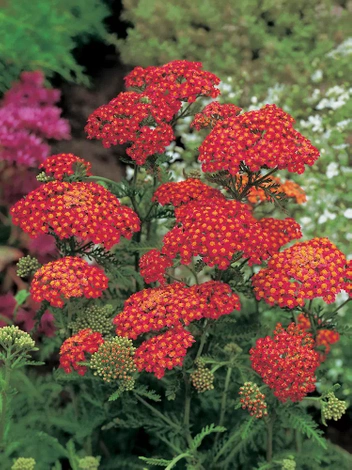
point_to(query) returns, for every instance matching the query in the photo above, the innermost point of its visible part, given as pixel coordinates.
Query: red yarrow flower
(153, 266)
(214, 112)
(304, 271)
(178, 80)
(74, 349)
(65, 164)
(84, 210)
(287, 362)
(262, 138)
(174, 305)
(164, 351)
(324, 337)
(66, 278)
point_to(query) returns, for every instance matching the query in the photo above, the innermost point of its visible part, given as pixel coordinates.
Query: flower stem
(224, 400)
(269, 440)
(156, 412)
(187, 409)
(4, 393)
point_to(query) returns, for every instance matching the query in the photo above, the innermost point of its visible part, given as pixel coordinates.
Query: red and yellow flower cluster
(80, 209)
(64, 164)
(315, 268)
(66, 278)
(287, 362)
(263, 138)
(143, 119)
(253, 400)
(73, 350)
(324, 337)
(171, 307)
(210, 226)
(214, 112)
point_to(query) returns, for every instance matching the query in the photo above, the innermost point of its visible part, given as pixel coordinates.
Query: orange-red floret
(84, 210)
(348, 278)
(153, 266)
(262, 138)
(304, 271)
(214, 112)
(63, 164)
(174, 305)
(287, 362)
(164, 351)
(289, 188)
(210, 226)
(65, 278)
(324, 337)
(74, 349)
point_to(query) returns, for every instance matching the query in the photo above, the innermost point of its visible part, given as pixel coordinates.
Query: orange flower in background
(263, 138)
(164, 351)
(304, 271)
(324, 337)
(74, 349)
(289, 188)
(84, 210)
(67, 278)
(64, 164)
(286, 362)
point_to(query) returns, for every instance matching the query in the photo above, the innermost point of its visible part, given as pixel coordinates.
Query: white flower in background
(335, 97)
(315, 96)
(317, 76)
(340, 147)
(343, 49)
(274, 94)
(348, 213)
(326, 216)
(342, 125)
(313, 122)
(129, 173)
(254, 100)
(332, 170)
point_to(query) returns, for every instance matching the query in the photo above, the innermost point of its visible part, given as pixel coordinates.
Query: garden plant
(193, 320)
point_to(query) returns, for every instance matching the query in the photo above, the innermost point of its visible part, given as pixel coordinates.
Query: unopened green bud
(96, 318)
(19, 341)
(232, 348)
(114, 361)
(27, 266)
(333, 408)
(44, 178)
(23, 464)
(288, 464)
(202, 379)
(89, 463)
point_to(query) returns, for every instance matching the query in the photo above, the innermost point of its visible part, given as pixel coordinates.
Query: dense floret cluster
(304, 271)
(174, 305)
(96, 318)
(253, 400)
(164, 351)
(75, 348)
(263, 138)
(202, 378)
(333, 408)
(214, 112)
(65, 278)
(153, 266)
(287, 362)
(65, 164)
(323, 338)
(84, 210)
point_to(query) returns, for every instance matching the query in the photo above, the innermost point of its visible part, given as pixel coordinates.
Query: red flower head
(153, 266)
(306, 270)
(215, 228)
(348, 277)
(65, 278)
(324, 337)
(214, 112)
(178, 80)
(137, 119)
(263, 138)
(84, 210)
(174, 305)
(73, 350)
(64, 164)
(164, 351)
(287, 362)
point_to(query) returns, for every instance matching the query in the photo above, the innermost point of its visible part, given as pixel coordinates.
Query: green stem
(176, 459)
(187, 410)
(298, 440)
(101, 178)
(224, 400)
(203, 339)
(269, 440)
(340, 306)
(156, 412)
(4, 402)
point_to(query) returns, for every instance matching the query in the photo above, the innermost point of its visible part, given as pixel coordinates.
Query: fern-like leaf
(205, 432)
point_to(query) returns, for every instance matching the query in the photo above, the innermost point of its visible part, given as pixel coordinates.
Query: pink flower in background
(43, 247)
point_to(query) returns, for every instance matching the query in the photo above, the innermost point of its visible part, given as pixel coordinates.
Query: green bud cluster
(202, 378)
(333, 408)
(127, 385)
(96, 318)
(114, 361)
(232, 349)
(288, 464)
(23, 464)
(15, 340)
(44, 178)
(89, 463)
(27, 266)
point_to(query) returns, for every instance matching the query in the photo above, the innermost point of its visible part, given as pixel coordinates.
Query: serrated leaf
(21, 296)
(205, 432)
(115, 396)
